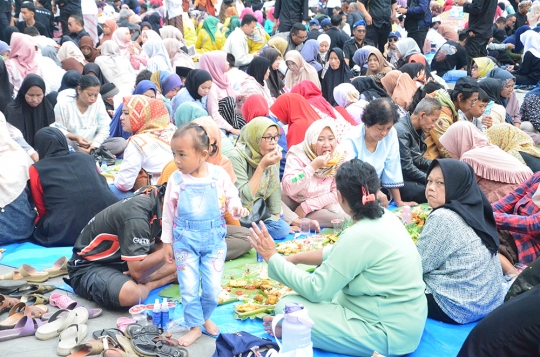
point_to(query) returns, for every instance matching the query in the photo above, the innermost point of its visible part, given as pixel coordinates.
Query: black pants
(379, 35)
(476, 47)
(531, 161)
(419, 36)
(511, 330)
(435, 312)
(413, 191)
(525, 80)
(5, 21)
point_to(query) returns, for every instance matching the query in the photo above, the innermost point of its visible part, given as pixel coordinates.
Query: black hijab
(464, 196)
(94, 68)
(26, 118)
(275, 84)
(155, 21)
(257, 69)
(145, 24)
(492, 87)
(369, 88)
(194, 80)
(8, 32)
(6, 88)
(334, 78)
(50, 142)
(412, 69)
(70, 80)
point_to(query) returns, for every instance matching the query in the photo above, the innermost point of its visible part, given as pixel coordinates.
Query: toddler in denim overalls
(194, 226)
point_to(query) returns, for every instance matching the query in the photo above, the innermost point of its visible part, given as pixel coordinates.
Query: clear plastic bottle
(406, 214)
(165, 314)
(156, 314)
(296, 328)
(103, 168)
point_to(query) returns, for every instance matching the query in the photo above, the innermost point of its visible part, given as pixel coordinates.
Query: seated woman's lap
(413, 191)
(17, 219)
(324, 216)
(277, 229)
(340, 330)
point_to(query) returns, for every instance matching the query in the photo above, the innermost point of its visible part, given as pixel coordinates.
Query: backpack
(243, 344)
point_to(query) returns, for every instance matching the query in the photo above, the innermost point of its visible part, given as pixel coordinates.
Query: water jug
(296, 330)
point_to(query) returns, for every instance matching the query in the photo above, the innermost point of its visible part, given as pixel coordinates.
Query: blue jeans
(277, 229)
(120, 194)
(454, 75)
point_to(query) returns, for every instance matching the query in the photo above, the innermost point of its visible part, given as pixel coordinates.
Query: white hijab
(14, 166)
(531, 42)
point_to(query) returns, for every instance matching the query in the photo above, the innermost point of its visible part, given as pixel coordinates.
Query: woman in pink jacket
(308, 184)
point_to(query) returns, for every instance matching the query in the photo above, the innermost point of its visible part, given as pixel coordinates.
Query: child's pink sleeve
(231, 192)
(170, 202)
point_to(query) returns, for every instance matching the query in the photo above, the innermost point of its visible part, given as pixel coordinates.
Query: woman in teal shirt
(367, 293)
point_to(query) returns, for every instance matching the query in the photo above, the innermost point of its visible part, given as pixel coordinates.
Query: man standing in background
(378, 15)
(481, 14)
(5, 17)
(67, 8)
(289, 12)
(417, 20)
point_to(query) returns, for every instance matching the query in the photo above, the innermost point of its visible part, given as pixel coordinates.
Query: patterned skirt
(227, 109)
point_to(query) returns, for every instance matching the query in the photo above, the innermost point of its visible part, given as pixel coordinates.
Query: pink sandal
(65, 302)
(123, 322)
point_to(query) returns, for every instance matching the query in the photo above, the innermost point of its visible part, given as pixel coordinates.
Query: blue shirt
(184, 97)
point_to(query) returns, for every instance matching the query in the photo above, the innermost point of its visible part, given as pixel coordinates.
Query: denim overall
(199, 248)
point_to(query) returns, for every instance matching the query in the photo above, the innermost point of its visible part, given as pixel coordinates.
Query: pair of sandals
(30, 274)
(524, 87)
(147, 341)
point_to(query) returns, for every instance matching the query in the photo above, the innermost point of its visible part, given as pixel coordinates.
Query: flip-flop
(108, 332)
(33, 288)
(71, 337)
(35, 299)
(125, 343)
(26, 326)
(92, 347)
(9, 286)
(6, 303)
(28, 273)
(20, 310)
(113, 352)
(59, 268)
(123, 322)
(58, 323)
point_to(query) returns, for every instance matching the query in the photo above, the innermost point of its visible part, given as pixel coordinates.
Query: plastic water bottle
(406, 214)
(296, 328)
(165, 314)
(156, 314)
(103, 168)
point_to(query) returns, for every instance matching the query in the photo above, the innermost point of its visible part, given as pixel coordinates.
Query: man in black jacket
(481, 14)
(411, 134)
(378, 15)
(336, 34)
(418, 20)
(5, 17)
(289, 12)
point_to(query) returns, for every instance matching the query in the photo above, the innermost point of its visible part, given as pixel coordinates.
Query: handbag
(243, 344)
(259, 212)
(102, 154)
(143, 179)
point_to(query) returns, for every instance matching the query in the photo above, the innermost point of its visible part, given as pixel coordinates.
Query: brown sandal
(92, 347)
(6, 303)
(20, 310)
(59, 268)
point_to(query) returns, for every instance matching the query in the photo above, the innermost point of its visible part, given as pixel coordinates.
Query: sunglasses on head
(393, 39)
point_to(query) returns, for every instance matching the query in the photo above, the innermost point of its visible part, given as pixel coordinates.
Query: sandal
(59, 322)
(167, 351)
(26, 272)
(141, 339)
(109, 332)
(113, 352)
(63, 301)
(18, 311)
(126, 345)
(92, 347)
(32, 288)
(26, 326)
(9, 286)
(71, 337)
(35, 299)
(6, 303)
(59, 268)
(123, 322)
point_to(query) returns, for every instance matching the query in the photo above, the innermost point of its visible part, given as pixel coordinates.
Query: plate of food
(419, 214)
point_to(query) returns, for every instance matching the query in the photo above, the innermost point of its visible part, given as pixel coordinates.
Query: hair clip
(367, 197)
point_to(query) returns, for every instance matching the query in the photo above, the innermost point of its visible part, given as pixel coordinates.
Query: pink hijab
(215, 62)
(465, 142)
(246, 11)
(23, 54)
(119, 37)
(270, 14)
(259, 16)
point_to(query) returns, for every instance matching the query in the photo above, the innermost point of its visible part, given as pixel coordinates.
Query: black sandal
(108, 332)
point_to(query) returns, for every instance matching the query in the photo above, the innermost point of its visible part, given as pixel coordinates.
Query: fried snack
(259, 298)
(237, 283)
(247, 307)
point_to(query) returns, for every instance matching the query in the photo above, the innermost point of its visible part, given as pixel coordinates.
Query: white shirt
(237, 45)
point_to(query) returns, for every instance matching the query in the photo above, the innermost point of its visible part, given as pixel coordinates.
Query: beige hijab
(305, 71)
(400, 86)
(385, 66)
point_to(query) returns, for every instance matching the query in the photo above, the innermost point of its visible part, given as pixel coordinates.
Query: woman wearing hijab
(530, 113)
(22, 60)
(299, 70)
(93, 69)
(348, 97)
(498, 173)
(458, 246)
(256, 165)
(116, 68)
(222, 98)
(6, 88)
(258, 72)
(196, 88)
(279, 44)
(158, 57)
(127, 48)
(418, 72)
(149, 146)
(377, 65)
(67, 190)
(516, 39)
(108, 28)
(295, 111)
(481, 66)
(516, 143)
(187, 112)
(360, 58)
(31, 110)
(400, 86)
(406, 47)
(508, 96)
(368, 88)
(493, 87)
(310, 52)
(8, 33)
(274, 82)
(17, 214)
(324, 42)
(71, 57)
(177, 56)
(168, 85)
(86, 45)
(269, 22)
(338, 72)
(168, 31)
(146, 88)
(529, 71)
(317, 159)
(211, 36)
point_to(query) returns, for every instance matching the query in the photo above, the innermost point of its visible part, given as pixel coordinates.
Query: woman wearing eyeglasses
(309, 185)
(255, 161)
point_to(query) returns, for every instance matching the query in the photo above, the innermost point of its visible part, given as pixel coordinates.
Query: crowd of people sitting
(287, 112)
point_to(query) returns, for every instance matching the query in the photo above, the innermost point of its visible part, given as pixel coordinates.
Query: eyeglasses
(269, 139)
(393, 39)
(303, 38)
(361, 31)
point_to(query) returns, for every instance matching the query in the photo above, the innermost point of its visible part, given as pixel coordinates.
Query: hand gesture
(368, 19)
(487, 120)
(168, 253)
(239, 212)
(83, 143)
(262, 241)
(321, 161)
(271, 158)
(383, 200)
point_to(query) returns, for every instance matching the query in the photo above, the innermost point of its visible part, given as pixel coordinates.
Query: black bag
(259, 212)
(102, 154)
(242, 344)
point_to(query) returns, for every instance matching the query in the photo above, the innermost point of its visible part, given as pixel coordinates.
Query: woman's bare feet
(267, 324)
(211, 327)
(190, 337)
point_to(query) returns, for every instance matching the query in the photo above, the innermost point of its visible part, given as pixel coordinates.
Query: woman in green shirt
(367, 293)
